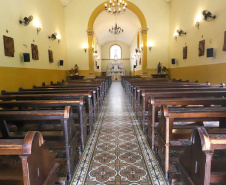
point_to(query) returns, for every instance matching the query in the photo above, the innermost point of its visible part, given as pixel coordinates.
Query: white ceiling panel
(127, 21)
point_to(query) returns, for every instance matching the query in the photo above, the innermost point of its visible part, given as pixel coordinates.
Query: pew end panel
(197, 164)
(38, 166)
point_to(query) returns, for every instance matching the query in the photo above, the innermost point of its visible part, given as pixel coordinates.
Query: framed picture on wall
(50, 56)
(224, 47)
(201, 48)
(34, 50)
(8, 46)
(185, 51)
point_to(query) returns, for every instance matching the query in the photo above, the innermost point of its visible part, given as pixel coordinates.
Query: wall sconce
(85, 47)
(207, 16)
(38, 29)
(26, 20)
(150, 45)
(37, 25)
(58, 36)
(53, 36)
(197, 20)
(175, 35)
(142, 47)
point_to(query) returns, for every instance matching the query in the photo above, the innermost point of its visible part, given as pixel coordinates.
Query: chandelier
(116, 7)
(116, 30)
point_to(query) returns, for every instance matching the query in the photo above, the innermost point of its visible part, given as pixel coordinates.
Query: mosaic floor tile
(117, 151)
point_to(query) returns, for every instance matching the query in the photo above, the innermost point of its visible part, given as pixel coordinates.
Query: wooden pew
(95, 96)
(39, 118)
(197, 163)
(36, 167)
(154, 106)
(76, 83)
(167, 131)
(77, 106)
(179, 94)
(65, 96)
(136, 95)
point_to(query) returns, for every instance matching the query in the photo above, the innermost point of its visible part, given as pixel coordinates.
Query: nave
(117, 151)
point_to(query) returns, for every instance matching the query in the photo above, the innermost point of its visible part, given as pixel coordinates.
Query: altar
(116, 70)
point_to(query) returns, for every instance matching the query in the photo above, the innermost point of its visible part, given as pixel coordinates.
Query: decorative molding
(90, 32)
(144, 31)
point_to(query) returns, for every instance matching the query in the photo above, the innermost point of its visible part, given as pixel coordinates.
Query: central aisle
(117, 151)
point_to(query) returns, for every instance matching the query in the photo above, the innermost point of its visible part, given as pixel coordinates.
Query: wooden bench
(76, 83)
(167, 131)
(134, 90)
(136, 95)
(197, 163)
(179, 94)
(36, 167)
(95, 97)
(39, 118)
(77, 107)
(154, 106)
(95, 90)
(64, 96)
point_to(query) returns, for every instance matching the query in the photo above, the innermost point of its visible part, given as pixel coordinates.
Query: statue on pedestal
(159, 68)
(76, 69)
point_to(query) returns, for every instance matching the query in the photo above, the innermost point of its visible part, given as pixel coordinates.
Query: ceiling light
(116, 7)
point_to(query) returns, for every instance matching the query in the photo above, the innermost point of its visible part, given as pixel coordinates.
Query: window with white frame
(115, 52)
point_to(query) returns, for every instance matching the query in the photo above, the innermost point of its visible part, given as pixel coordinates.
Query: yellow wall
(12, 78)
(182, 16)
(14, 72)
(215, 74)
(12, 11)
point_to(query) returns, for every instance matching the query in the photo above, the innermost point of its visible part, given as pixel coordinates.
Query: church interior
(112, 92)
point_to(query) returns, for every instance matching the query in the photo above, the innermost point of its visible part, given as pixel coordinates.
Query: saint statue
(76, 69)
(159, 68)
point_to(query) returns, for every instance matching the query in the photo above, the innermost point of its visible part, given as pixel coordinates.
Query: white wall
(50, 14)
(182, 15)
(105, 50)
(77, 15)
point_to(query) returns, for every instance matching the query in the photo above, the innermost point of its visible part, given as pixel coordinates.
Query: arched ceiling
(128, 21)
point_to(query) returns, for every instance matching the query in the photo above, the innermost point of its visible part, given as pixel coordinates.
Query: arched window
(115, 52)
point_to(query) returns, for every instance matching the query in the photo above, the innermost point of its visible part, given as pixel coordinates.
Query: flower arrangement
(71, 71)
(164, 69)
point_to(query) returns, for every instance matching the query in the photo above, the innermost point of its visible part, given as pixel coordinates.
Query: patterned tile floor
(117, 151)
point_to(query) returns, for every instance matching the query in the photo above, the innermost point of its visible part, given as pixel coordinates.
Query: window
(115, 52)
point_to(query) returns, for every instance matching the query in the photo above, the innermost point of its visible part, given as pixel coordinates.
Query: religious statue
(76, 69)
(159, 68)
